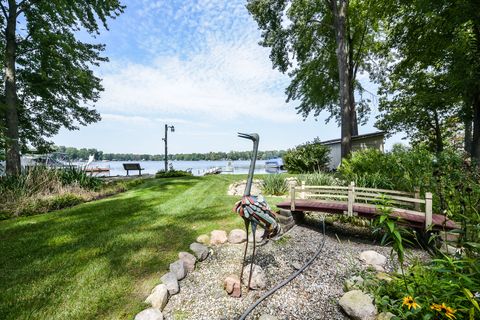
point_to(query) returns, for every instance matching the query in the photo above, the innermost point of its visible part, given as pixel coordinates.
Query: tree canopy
(431, 68)
(322, 45)
(47, 71)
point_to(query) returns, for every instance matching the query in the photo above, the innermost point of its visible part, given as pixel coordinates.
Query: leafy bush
(444, 288)
(173, 174)
(307, 158)
(274, 184)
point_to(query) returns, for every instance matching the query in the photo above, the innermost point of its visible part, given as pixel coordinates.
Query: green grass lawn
(100, 260)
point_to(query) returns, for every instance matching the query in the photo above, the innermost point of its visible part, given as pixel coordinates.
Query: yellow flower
(448, 311)
(410, 303)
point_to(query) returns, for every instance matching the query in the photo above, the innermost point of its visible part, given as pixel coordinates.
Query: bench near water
(133, 166)
(407, 207)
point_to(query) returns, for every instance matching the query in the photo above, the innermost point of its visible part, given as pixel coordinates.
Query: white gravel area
(314, 294)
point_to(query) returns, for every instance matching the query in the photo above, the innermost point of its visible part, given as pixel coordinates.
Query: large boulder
(231, 284)
(218, 237)
(188, 260)
(200, 251)
(237, 236)
(358, 305)
(258, 277)
(178, 269)
(159, 297)
(149, 314)
(171, 282)
(374, 259)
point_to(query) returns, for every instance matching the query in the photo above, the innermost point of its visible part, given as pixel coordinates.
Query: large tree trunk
(353, 112)
(476, 128)
(467, 139)
(12, 151)
(340, 18)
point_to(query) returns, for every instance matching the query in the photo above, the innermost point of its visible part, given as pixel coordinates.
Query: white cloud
(226, 81)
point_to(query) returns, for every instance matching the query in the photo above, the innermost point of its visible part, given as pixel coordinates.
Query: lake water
(198, 167)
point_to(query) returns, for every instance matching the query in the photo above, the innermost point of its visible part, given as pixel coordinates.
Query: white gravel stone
(149, 314)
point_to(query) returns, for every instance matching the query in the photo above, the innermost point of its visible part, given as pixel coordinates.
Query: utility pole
(172, 128)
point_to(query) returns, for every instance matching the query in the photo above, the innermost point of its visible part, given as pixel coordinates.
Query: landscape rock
(237, 188)
(159, 297)
(203, 239)
(383, 276)
(178, 269)
(352, 283)
(188, 260)
(358, 305)
(374, 259)
(232, 285)
(385, 316)
(258, 235)
(218, 237)
(200, 251)
(258, 277)
(149, 314)
(171, 282)
(237, 236)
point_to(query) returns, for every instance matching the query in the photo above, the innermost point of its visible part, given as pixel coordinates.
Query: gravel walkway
(312, 295)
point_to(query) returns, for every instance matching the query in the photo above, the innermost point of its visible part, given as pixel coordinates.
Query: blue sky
(196, 65)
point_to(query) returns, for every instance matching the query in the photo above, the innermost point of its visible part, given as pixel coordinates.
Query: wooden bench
(408, 207)
(133, 166)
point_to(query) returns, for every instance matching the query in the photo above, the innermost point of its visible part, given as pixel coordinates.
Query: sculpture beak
(252, 136)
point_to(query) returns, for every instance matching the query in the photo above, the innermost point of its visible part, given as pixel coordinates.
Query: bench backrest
(131, 166)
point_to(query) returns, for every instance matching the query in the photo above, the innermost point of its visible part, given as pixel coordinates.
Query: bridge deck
(404, 216)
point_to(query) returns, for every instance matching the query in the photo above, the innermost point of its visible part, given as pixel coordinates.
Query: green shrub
(307, 158)
(274, 184)
(173, 174)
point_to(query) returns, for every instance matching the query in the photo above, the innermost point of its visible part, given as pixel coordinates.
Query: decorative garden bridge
(407, 208)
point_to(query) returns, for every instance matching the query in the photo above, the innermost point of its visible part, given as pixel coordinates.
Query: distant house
(371, 140)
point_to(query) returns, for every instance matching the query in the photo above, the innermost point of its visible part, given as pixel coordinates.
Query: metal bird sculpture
(255, 210)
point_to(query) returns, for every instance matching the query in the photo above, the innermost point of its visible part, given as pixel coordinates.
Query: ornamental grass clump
(274, 184)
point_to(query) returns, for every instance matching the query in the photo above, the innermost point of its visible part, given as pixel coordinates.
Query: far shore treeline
(75, 154)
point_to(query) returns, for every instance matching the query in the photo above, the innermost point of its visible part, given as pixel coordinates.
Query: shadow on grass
(110, 244)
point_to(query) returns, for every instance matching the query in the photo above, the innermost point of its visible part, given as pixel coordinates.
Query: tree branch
(4, 10)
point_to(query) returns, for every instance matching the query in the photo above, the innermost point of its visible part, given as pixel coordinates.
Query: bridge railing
(353, 195)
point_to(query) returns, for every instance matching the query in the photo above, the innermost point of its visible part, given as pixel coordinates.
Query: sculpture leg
(247, 224)
(254, 229)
